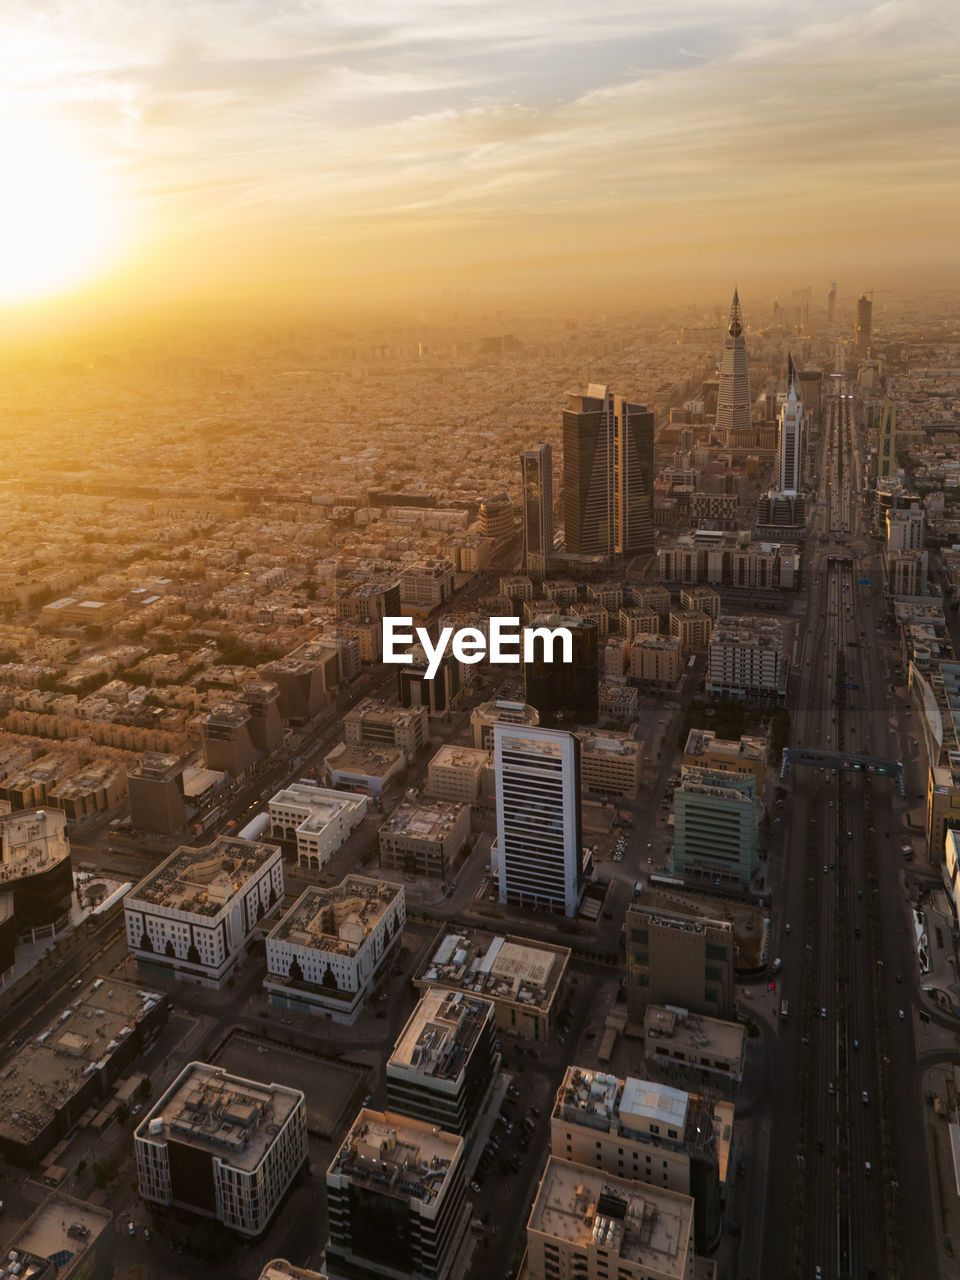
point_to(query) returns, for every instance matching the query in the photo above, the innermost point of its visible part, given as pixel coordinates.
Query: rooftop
(318, 805)
(31, 841)
(202, 881)
(227, 1116)
(703, 741)
(608, 744)
(384, 712)
(422, 819)
(338, 919)
(694, 1031)
(359, 758)
(441, 1033)
(397, 1156)
(62, 1226)
(497, 967)
(39, 1078)
(156, 767)
(454, 757)
(635, 1221)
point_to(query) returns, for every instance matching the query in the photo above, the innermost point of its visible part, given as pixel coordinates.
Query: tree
(145, 1087)
(123, 1112)
(104, 1171)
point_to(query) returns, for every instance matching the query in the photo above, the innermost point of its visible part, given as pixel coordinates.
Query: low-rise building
(706, 1050)
(320, 820)
(369, 770)
(523, 979)
(456, 774)
(393, 1170)
(424, 838)
(427, 585)
(487, 714)
(611, 763)
(444, 1065)
(704, 750)
(63, 1239)
(583, 1220)
(378, 724)
(51, 1080)
(656, 661)
(222, 1147)
(679, 959)
(192, 917)
(638, 620)
(618, 702)
(325, 954)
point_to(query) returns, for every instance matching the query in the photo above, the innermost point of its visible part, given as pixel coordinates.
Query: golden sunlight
(58, 223)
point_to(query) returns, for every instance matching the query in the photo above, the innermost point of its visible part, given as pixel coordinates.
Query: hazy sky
(254, 149)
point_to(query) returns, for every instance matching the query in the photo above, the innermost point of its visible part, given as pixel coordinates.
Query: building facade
(673, 958)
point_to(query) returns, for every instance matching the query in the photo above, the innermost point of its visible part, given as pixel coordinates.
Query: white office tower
(790, 445)
(539, 845)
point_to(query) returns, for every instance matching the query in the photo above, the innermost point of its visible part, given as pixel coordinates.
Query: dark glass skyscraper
(536, 480)
(565, 692)
(607, 475)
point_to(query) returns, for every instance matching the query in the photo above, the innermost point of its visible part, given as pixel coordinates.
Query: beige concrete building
(79, 1235)
(516, 586)
(616, 658)
(617, 701)
(373, 723)
(427, 585)
(320, 820)
(358, 767)
(692, 627)
(656, 661)
(673, 958)
(487, 714)
(943, 806)
(424, 838)
(456, 774)
(583, 1220)
(704, 750)
(704, 598)
(638, 620)
(611, 763)
(656, 598)
(709, 1049)
(523, 979)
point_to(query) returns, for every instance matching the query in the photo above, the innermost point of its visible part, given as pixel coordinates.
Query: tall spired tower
(733, 397)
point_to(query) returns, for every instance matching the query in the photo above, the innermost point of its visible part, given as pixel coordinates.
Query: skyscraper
(733, 396)
(864, 323)
(832, 302)
(539, 836)
(791, 441)
(565, 691)
(607, 474)
(887, 438)
(536, 483)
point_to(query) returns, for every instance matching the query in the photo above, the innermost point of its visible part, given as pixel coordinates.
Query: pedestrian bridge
(797, 757)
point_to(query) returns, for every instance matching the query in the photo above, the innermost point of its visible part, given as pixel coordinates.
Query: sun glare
(58, 223)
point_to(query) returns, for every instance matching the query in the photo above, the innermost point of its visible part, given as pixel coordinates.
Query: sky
(316, 152)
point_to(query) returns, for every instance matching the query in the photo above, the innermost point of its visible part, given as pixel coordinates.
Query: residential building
(523, 979)
(54, 1078)
(192, 917)
(396, 1202)
(746, 659)
(373, 722)
(656, 661)
(327, 952)
(692, 628)
(611, 763)
(222, 1147)
(675, 958)
(635, 620)
(487, 714)
(319, 819)
(536, 488)
(444, 1066)
(539, 836)
(516, 587)
(704, 598)
(155, 789)
(368, 770)
(651, 1133)
(716, 816)
(704, 750)
(708, 1050)
(943, 805)
(456, 774)
(424, 838)
(607, 474)
(583, 1219)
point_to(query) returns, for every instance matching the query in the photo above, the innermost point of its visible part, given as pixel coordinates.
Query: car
(899, 977)
(536, 1111)
(901, 1014)
(131, 1228)
(864, 1097)
(823, 1013)
(833, 1089)
(818, 1274)
(147, 1234)
(649, 862)
(135, 1110)
(771, 986)
(867, 1168)
(561, 1039)
(824, 868)
(787, 928)
(475, 1187)
(856, 1044)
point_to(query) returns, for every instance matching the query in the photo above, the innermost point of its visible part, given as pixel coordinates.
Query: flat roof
(52, 1066)
(397, 1156)
(497, 967)
(454, 757)
(235, 1119)
(202, 881)
(694, 1031)
(62, 1225)
(319, 806)
(280, 1269)
(422, 819)
(360, 758)
(32, 841)
(646, 1225)
(338, 919)
(657, 1102)
(441, 1033)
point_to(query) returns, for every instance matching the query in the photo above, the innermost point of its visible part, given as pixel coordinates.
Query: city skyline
(299, 157)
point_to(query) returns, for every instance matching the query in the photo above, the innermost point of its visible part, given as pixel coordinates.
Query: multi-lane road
(844, 1060)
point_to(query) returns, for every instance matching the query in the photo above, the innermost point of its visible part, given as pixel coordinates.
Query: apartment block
(222, 1147)
(692, 628)
(636, 620)
(427, 585)
(324, 956)
(746, 659)
(656, 661)
(192, 917)
(704, 598)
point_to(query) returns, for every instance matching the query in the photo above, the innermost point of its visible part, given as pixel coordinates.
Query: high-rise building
(155, 788)
(832, 302)
(733, 396)
(536, 487)
(864, 324)
(791, 442)
(887, 438)
(679, 959)
(607, 474)
(564, 692)
(715, 827)
(539, 837)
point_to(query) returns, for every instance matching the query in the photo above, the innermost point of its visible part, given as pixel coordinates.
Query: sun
(59, 224)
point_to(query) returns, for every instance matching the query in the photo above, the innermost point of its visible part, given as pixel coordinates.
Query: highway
(843, 1057)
